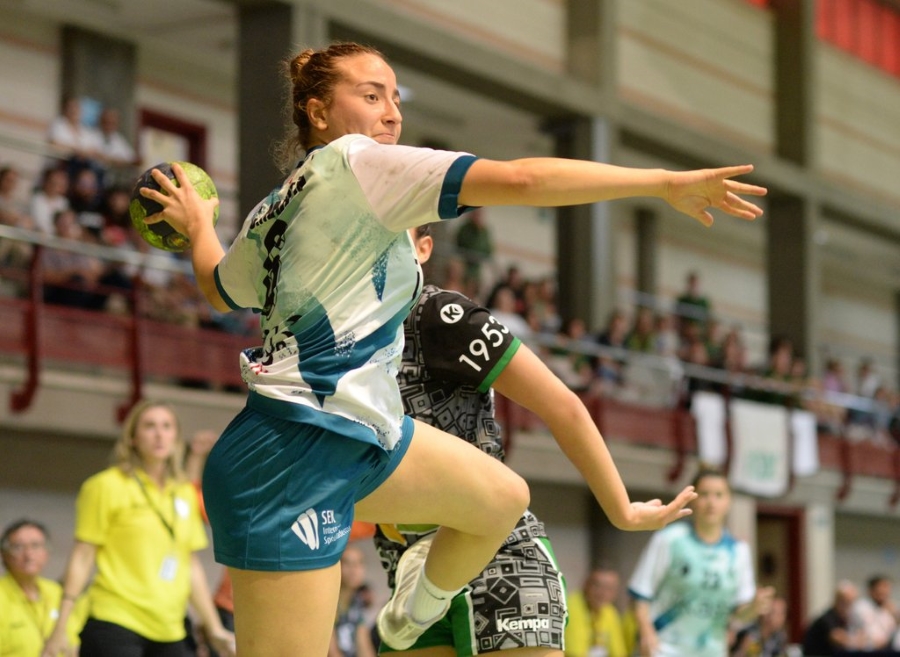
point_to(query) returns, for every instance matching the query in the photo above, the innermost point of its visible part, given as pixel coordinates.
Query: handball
(161, 234)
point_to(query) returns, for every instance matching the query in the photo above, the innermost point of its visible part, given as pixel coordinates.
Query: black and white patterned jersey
(454, 351)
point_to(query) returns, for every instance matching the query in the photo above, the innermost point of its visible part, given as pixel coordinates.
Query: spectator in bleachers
(51, 197)
(86, 199)
(833, 633)
(115, 149)
(777, 370)
(573, 367)
(70, 278)
(545, 306)
(515, 282)
(867, 379)
(666, 341)
(610, 368)
(13, 209)
(641, 337)
(475, 246)
(692, 306)
(834, 379)
(713, 337)
(14, 255)
(505, 309)
(68, 134)
(72, 141)
(455, 276)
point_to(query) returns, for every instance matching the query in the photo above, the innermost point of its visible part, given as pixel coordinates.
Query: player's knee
(513, 496)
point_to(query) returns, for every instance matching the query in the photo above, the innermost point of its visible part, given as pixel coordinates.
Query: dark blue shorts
(280, 494)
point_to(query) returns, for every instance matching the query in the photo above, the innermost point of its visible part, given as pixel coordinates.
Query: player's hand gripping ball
(161, 234)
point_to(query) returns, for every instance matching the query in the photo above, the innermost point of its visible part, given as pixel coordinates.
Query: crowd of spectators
(695, 350)
(82, 196)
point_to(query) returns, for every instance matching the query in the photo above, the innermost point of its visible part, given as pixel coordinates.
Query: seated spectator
(666, 341)
(571, 366)
(70, 278)
(72, 141)
(86, 199)
(641, 338)
(29, 602)
(595, 625)
(475, 247)
(834, 379)
(692, 306)
(609, 368)
(832, 632)
(13, 209)
(875, 615)
(51, 197)
(778, 372)
(15, 256)
(115, 150)
(504, 309)
(767, 637)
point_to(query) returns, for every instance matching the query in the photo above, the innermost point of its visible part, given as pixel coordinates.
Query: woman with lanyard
(327, 262)
(139, 522)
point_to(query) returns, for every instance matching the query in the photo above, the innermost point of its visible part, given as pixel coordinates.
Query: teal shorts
(280, 494)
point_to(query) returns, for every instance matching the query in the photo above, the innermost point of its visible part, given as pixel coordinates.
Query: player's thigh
(435, 651)
(525, 652)
(285, 614)
(444, 480)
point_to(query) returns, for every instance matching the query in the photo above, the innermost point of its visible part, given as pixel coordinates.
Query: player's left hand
(656, 515)
(694, 192)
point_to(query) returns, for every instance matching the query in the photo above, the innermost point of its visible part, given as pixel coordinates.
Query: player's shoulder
(444, 305)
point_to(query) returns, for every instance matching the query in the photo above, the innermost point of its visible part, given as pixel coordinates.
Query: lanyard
(169, 527)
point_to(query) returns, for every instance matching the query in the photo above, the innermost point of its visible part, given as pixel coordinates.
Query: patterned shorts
(518, 601)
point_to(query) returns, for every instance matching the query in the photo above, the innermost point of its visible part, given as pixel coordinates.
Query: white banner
(806, 443)
(708, 410)
(760, 448)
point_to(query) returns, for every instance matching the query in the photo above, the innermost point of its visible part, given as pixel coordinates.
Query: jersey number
(480, 348)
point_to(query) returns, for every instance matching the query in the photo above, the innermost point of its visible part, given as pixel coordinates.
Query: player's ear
(424, 247)
(315, 111)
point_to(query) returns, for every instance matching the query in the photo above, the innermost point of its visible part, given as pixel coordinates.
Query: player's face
(26, 552)
(155, 435)
(713, 501)
(366, 101)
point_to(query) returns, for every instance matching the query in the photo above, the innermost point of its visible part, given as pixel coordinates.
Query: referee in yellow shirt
(139, 523)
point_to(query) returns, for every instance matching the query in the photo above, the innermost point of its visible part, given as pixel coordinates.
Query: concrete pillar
(793, 272)
(820, 561)
(586, 269)
(266, 34)
(795, 80)
(646, 225)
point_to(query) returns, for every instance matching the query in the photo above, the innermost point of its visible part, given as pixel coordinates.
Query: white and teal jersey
(327, 262)
(693, 588)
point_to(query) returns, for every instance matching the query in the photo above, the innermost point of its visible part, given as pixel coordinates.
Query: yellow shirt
(144, 538)
(25, 624)
(589, 634)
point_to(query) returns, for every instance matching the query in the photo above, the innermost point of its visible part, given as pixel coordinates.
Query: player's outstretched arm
(559, 182)
(527, 381)
(191, 215)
